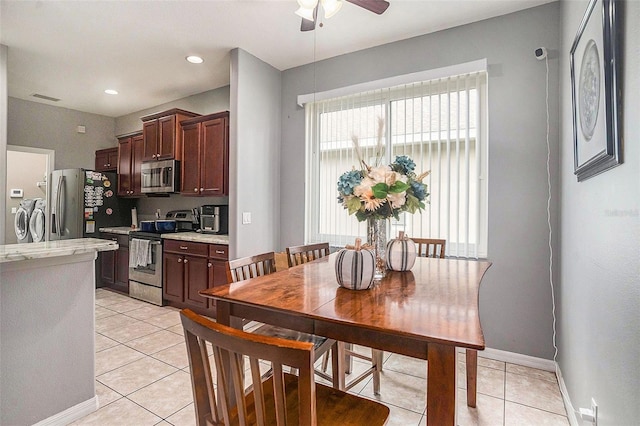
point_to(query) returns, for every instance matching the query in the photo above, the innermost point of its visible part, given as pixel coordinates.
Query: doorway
(28, 170)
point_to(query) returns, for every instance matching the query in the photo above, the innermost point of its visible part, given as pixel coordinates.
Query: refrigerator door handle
(59, 207)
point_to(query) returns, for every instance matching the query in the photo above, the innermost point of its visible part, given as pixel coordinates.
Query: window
(440, 124)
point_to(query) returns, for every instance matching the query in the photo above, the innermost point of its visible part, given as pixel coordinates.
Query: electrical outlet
(246, 218)
(590, 414)
(594, 410)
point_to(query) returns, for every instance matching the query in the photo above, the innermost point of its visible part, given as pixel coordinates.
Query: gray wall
(599, 292)
(3, 134)
(254, 155)
(43, 126)
(515, 299)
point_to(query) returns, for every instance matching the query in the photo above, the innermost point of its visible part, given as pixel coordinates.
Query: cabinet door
(112, 159)
(173, 277)
(167, 137)
(150, 136)
(122, 269)
(124, 167)
(217, 276)
(190, 166)
(108, 267)
(214, 170)
(102, 161)
(196, 279)
(137, 143)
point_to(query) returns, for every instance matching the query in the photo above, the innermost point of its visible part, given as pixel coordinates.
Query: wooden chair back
(267, 402)
(430, 247)
(250, 267)
(297, 255)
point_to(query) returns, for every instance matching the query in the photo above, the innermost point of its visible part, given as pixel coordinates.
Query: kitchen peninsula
(47, 347)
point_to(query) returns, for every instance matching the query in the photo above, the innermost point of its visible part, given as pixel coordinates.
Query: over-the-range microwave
(160, 177)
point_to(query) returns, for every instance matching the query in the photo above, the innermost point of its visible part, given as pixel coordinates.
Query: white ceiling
(74, 50)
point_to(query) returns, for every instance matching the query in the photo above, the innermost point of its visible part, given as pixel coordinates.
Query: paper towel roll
(134, 218)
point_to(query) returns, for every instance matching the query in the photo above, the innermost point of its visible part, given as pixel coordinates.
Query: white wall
(599, 291)
(515, 298)
(4, 95)
(254, 155)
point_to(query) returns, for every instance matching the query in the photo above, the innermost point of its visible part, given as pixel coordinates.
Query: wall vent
(46, 98)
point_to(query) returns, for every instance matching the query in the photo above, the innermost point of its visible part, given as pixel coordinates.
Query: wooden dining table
(423, 313)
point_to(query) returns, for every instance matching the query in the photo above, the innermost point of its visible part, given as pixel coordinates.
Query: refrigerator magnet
(109, 211)
(108, 194)
(107, 183)
(90, 227)
(88, 213)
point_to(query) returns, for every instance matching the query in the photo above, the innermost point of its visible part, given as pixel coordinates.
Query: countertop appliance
(214, 219)
(145, 258)
(82, 201)
(160, 177)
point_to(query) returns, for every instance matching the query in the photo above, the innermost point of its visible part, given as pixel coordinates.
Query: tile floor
(142, 377)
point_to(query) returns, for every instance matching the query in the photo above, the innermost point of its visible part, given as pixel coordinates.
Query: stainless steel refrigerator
(83, 201)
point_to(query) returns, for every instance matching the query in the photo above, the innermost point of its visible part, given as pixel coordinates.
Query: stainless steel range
(145, 257)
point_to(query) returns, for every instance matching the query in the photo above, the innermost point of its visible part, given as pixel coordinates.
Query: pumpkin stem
(401, 235)
(358, 244)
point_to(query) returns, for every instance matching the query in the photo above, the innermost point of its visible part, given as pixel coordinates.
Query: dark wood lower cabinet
(114, 265)
(188, 268)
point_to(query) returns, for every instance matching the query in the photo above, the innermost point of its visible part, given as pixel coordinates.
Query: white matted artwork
(595, 83)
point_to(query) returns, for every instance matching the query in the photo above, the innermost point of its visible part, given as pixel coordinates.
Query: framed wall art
(596, 89)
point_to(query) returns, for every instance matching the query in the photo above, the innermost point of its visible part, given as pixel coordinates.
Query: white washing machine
(21, 221)
(37, 221)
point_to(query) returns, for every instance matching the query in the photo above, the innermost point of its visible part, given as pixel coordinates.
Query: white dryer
(37, 221)
(21, 221)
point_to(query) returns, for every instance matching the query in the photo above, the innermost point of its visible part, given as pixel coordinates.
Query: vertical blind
(440, 124)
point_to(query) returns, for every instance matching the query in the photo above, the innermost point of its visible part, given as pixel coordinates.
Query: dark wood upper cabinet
(205, 155)
(106, 160)
(129, 161)
(162, 136)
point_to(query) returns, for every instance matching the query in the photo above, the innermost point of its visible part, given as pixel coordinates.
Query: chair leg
(377, 358)
(472, 376)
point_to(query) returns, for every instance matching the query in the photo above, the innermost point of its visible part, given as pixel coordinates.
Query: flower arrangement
(382, 191)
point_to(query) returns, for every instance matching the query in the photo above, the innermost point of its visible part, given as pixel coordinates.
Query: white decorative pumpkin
(401, 253)
(355, 267)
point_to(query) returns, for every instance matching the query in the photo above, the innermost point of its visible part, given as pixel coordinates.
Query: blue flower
(419, 190)
(348, 181)
(404, 165)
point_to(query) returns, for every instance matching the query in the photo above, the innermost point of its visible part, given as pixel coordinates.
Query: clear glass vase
(377, 238)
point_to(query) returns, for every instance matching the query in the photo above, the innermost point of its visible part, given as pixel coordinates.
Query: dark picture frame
(596, 89)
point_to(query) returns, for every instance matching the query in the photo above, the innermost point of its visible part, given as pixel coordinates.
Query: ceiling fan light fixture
(331, 7)
(306, 8)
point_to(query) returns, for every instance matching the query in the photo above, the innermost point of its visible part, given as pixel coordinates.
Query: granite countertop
(197, 237)
(47, 249)
(123, 230)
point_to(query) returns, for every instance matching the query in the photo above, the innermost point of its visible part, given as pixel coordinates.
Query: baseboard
(71, 414)
(571, 413)
(516, 358)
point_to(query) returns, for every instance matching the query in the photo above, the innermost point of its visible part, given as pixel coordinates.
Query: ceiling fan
(309, 9)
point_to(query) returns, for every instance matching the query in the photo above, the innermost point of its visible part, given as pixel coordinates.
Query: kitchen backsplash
(147, 206)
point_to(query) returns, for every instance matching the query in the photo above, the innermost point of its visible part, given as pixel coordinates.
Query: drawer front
(122, 240)
(186, 247)
(218, 251)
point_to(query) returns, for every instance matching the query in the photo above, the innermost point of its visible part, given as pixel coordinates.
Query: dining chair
(278, 398)
(430, 247)
(265, 264)
(297, 255)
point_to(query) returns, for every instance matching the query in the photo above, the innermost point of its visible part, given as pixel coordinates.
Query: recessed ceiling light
(195, 59)
(111, 92)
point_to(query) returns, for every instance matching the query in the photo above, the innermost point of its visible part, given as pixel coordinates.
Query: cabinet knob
(184, 248)
(195, 189)
(209, 265)
(179, 260)
(219, 251)
(201, 189)
(186, 261)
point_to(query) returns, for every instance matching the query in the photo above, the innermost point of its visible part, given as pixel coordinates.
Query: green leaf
(413, 204)
(398, 187)
(380, 190)
(353, 204)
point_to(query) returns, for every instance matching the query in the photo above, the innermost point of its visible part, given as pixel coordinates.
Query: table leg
(472, 376)
(441, 385)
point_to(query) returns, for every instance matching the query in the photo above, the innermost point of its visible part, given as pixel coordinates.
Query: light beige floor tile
(359, 367)
(111, 299)
(131, 331)
(536, 393)
(120, 413)
(166, 320)
(115, 357)
(103, 342)
(489, 411)
(490, 380)
(176, 329)
(101, 312)
(113, 321)
(184, 417)
(155, 342)
(105, 395)
(401, 417)
(136, 375)
(532, 372)
(175, 355)
(166, 396)
(401, 390)
(147, 311)
(127, 305)
(520, 415)
(404, 364)
(491, 363)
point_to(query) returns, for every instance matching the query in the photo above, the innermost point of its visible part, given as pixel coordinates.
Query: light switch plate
(246, 218)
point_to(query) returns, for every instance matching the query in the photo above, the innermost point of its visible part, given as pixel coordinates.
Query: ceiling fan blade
(375, 6)
(308, 25)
